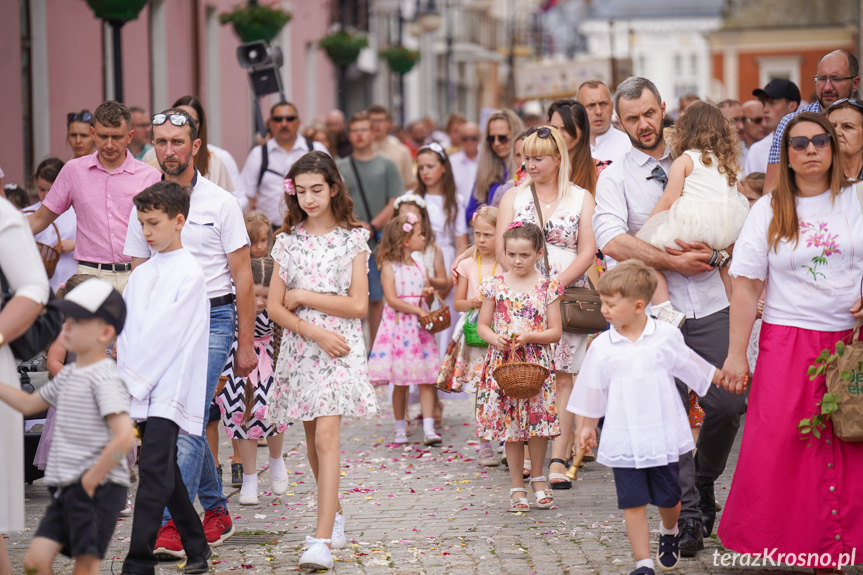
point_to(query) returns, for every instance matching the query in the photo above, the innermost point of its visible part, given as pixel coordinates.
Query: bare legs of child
(322, 441)
(41, 555)
(6, 562)
(212, 430)
(638, 532)
(278, 474)
(662, 308)
(559, 444)
(236, 465)
(427, 400)
(537, 446)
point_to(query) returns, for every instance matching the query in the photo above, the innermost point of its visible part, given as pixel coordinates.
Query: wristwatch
(720, 259)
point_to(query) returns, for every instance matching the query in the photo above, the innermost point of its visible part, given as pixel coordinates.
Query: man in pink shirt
(100, 187)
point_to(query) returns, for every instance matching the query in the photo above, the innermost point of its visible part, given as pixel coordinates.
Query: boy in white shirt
(86, 470)
(628, 378)
(162, 357)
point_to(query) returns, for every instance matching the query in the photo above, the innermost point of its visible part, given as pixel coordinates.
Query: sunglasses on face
(280, 119)
(78, 117)
(801, 143)
(503, 139)
(852, 101)
(175, 119)
(540, 132)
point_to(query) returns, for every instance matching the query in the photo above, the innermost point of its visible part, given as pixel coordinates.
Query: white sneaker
(487, 457)
(248, 499)
(280, 486)
(665, 312)
(318, 556)
(338, 540)
(401, 437)
(127, 509)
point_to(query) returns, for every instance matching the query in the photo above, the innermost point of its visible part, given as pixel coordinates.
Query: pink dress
(404, 353)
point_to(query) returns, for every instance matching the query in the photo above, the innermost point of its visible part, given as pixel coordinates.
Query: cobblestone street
(413, 510)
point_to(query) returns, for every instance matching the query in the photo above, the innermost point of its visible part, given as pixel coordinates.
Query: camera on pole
(263, 62)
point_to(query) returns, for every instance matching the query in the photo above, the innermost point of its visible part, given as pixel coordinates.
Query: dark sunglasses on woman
(800, 143)
(503, 139)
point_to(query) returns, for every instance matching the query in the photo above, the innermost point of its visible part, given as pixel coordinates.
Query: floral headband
(409, 198)
(436, 148)
(409, 225)
(289, 187)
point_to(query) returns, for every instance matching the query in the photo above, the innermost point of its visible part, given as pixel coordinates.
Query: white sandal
(519, 501)
(542, 494)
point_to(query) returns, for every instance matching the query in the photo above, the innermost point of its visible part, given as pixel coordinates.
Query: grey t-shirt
(381, 183)
(83, 398)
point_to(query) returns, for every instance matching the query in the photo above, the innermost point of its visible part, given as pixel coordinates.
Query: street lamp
(116, 13)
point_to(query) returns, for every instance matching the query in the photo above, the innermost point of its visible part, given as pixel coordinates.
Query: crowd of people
(721, 244)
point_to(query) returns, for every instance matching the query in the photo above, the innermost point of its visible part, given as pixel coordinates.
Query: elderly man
(465, 161)
(607, 144)
(625, 195)
(837, 77)
(753, 123)
(336, 126)
(733, 111)
(268, 164)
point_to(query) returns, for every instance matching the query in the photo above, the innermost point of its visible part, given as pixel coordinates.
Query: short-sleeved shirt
(83, 398)
(611, 146)
(214, 229)
(279, 161)
(813, 284)
(773, 156)
(102, 202)
(381, 183)
(469, 268)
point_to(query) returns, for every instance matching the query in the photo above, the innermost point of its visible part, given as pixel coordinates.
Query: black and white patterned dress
(232, 399)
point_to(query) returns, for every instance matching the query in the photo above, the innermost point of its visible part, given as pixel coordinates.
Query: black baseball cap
(94, 298)
(778, 88)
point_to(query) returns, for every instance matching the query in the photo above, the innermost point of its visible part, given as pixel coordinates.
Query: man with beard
(837, 77)
(215, 234)
(268, 164)
(625, 195)
(100, 188)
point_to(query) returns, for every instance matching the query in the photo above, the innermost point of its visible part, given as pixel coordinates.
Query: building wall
(71, 70)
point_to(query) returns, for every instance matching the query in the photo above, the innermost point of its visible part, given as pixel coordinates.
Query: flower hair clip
(412, 218)
(407, 227)
(514, 225)
(289, 187)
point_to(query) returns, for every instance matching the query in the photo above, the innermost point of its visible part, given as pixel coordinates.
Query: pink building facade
(56, 59)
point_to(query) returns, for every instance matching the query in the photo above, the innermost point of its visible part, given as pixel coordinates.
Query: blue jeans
(193, 453)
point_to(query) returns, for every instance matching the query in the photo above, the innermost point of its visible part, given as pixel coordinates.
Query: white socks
(400, 425)
(277, 469)
(644, 563)
(250, 484)
(428, 425)
(664, 531)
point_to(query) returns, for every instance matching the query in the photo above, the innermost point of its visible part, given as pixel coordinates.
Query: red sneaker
(168, 544)
(217, 526)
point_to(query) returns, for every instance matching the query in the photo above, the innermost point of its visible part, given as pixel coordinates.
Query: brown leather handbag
(580, 308)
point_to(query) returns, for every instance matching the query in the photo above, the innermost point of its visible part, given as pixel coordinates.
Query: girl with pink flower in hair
(404, 353)
(243, 400)
(319, 293)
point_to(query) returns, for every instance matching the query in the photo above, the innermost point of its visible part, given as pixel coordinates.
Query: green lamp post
(116, 13)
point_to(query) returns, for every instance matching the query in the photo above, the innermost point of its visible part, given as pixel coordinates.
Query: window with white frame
(786, 67)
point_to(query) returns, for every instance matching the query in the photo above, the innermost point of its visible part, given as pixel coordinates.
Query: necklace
(548, 203)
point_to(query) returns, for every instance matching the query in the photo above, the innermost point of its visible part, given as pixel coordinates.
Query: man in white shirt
(626, 193)
(733, 112)
(607, 144)
(267, 165)
(779, 97)
(465, 161)
(215, 235)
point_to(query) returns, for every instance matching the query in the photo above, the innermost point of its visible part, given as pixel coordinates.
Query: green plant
(400, 59)
(255, 21)
(343, 47)
(829, 401)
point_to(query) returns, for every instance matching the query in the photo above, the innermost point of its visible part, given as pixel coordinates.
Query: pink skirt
(791, 494)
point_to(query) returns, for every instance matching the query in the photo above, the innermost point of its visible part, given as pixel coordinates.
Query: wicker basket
(50, 254)
(436, 320)
(520, 379)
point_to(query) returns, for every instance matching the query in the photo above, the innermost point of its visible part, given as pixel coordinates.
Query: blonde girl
(319, 294)
(404, 353)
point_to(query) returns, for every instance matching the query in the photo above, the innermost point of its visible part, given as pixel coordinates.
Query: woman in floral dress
(571, 251)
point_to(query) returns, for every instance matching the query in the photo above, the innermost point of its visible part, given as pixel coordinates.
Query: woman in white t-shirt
(792, 495)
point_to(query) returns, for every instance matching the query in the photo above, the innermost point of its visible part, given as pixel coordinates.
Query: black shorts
(214, 414)
(656, 485)
(81, 524)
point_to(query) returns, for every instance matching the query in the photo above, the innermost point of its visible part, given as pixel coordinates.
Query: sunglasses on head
(175, 119)
(852, 101)
(78, 117)
(503, 139)
(280, 119)
(801, 143)
(544, 132)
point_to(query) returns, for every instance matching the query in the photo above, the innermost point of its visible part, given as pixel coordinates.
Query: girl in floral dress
(404, 353)
(520, 317)
(243, 400)
(319, 294)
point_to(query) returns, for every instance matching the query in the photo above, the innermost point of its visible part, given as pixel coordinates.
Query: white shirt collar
(641, 158)
(648, 330)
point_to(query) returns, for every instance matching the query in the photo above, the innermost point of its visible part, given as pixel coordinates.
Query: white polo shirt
(464, 174)
(214, 229)
(611, 146)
